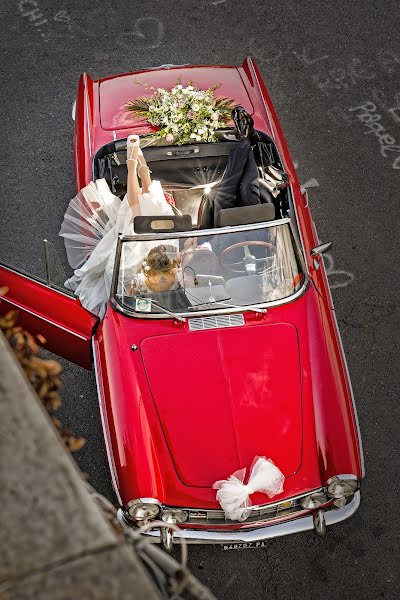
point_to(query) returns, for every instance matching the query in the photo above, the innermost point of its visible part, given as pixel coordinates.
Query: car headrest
(162, 224)
(242, 215)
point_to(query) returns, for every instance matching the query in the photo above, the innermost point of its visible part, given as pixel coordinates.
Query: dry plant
(43, 374)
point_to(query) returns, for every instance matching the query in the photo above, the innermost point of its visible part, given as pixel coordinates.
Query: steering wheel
(249, 264)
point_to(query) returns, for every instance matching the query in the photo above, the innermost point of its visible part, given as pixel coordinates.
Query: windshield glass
(184, 275)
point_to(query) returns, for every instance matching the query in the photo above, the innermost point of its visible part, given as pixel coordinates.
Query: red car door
(57, 315)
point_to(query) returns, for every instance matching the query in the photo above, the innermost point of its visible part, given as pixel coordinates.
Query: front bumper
(296, 525)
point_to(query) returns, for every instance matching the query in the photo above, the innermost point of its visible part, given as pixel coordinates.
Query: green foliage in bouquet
(184, 114)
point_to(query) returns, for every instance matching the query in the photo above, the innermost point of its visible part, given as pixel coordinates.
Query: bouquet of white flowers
(184, 114)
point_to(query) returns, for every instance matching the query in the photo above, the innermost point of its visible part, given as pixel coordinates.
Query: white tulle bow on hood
(233, 494)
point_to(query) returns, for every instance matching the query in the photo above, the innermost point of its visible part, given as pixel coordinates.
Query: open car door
(57, 315)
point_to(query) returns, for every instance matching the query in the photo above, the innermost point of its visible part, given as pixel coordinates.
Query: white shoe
(132, 141)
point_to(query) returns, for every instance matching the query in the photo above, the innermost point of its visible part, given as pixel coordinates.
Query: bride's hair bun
(162, 258)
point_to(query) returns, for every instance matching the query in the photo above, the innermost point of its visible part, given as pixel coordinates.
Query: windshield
(187, 273)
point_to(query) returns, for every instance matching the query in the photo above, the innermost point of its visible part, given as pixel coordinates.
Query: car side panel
(84, 130)
(326, 380)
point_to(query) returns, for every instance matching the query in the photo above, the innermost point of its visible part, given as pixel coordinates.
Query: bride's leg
(144, 173)
(133, 188)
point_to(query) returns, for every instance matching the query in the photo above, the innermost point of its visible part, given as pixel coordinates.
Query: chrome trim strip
(298, 229)
(168, 66)
(259, 514)
(263, 533)
(87, 114)
(46, 320)
(250, 62)
(105, 429)
(256, 507)
(148, 237)
(47, 260)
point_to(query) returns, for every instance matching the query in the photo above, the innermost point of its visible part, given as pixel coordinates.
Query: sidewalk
(55, 541)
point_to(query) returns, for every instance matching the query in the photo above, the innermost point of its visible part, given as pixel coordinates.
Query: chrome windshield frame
(145, 237)
(149, 237)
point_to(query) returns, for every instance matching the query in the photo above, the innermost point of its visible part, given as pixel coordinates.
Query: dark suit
(239, 185)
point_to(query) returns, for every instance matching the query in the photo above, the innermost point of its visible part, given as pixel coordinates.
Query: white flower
(201, 131)
(198, 138)
(178, 87)
(147, 268)
(189, 87)
(169, 137)
(195, 107)
(193, 135)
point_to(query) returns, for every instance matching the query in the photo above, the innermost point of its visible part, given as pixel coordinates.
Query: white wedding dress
(90, 229)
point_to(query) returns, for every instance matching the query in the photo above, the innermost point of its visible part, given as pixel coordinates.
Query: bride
(93, 220)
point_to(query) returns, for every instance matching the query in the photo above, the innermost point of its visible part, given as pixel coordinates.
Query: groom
(239, 185)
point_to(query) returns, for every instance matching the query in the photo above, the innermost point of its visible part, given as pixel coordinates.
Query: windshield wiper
(169, 312)
(248, 308)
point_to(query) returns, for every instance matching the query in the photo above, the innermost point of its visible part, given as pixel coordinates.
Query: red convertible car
(246, 361)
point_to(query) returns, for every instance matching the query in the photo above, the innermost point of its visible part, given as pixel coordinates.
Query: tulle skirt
(90, 229)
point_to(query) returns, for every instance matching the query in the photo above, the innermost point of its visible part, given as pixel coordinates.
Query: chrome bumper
(204, 536)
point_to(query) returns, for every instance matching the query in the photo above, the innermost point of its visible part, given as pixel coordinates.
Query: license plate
(245, 545)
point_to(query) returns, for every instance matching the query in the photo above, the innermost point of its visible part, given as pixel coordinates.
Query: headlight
(143, 509)
(339, 488)
(313, 501)
(174, 515)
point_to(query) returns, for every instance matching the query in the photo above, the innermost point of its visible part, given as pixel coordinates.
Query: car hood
(225, 396)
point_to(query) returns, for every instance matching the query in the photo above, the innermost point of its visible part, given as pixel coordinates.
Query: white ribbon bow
(233, 494)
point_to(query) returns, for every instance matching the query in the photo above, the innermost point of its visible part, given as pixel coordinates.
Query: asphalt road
(332, 70)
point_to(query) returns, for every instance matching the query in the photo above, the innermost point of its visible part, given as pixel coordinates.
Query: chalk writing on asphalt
(337, 278)
(336, 79)
(147, 31)
(368, 115)
(31, 11)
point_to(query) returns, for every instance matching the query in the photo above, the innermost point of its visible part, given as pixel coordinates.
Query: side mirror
(321, 249)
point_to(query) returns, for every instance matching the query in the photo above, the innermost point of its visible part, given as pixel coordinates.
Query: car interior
(188, 173)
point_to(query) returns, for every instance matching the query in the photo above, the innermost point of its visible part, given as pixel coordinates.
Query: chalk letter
(306, 60)
(339, 76)
(389, 60)
(368, 107)
(395, 114)
(357, 72)
(322, 82)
